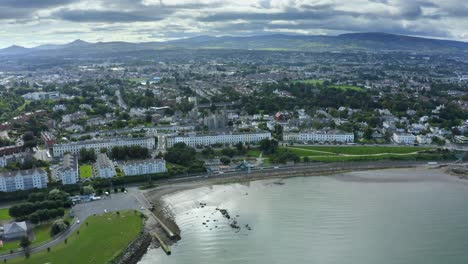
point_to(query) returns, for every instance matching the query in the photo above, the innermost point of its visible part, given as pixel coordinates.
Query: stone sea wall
(133, 253)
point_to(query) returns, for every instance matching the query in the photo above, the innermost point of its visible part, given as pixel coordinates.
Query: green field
(138, 80)
(428, 157)
(360, 153)
(354, 150)
(4, 215)
(312, 81)
(86, 171)
(347, 87)
(101, 241)
(254, 153)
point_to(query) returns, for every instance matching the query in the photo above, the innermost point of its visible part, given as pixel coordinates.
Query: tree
(88, 190)
(368, 133)
(225, 160)
(25, 243)
(57, 227)
(29, 140)
(268, 146)
(181, 154)
(87, 155)
(240, 148)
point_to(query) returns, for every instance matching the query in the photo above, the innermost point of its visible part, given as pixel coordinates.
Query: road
(120, 100)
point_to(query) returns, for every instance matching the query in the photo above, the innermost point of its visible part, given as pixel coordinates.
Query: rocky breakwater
(133, 253)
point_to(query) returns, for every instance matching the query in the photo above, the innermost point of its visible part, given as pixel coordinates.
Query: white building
(104, 167)
(424, 139)
(207, 140)
(68, 171)
(404, 138)
(59, 107)
(41, 95)
(15, 157)
(75, 147)
(319, 137)
(142, 167)
(23, 180)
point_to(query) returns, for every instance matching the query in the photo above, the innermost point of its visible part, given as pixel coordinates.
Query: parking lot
(111, 203)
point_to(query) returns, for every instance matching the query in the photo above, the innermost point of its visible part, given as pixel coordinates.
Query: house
(424, 139)
(104, 167)
(23, 180)
(68, 170)
(15, 230)
(404, 138)
(142, 167)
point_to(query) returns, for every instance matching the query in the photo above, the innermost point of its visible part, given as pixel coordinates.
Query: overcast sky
(34, 22)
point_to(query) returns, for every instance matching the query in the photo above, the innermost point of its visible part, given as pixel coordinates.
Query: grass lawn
(4, 215)
(42, 233)
(138, 80)
(376, 158)
(7, 246)
(102, 240)
(347, 87)
(304, 152)
(86, 171)
(253, 153)
(357, 150)
(312, 81)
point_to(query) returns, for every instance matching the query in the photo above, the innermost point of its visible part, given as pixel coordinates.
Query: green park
(102, 237)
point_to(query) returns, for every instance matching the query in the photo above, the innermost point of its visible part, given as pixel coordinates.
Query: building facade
(104, 168)
(142, 167)
(68, 171)
(208, 140)
(74, 148)
(404, 138)
(23, 180)
(319, 137)
(16, 157)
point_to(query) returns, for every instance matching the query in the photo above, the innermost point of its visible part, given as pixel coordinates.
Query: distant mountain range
(278, 42)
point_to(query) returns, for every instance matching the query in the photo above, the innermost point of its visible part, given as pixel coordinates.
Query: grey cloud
(108, 16)
(33, 4)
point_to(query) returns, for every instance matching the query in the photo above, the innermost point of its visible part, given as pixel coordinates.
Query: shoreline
(162, 211)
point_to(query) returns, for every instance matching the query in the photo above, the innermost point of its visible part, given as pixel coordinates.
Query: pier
(161, 242)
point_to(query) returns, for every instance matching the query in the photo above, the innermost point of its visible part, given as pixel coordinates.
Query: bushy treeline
(41, 206)
(129, 152)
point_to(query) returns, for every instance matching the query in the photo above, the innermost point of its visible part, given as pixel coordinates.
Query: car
(105, 210)
(78, 221)
(142, 208)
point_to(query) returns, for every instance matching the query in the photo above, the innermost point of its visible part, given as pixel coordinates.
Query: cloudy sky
(35, 22)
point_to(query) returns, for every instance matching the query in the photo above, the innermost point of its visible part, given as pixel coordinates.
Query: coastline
(161, 210)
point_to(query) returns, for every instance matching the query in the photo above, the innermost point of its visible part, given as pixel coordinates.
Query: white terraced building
(74, 147)
(68, 172)
(404, 138)
(23, 180)
(208, 140)
(142, 167)
(104, 168)
(319, 137)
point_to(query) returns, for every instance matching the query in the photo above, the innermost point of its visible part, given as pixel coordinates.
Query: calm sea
(321, 220)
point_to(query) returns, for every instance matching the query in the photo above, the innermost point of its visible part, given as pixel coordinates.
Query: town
(82, 131)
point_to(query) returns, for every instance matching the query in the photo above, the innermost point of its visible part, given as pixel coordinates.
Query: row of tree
(41, 206)
(131, 152)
